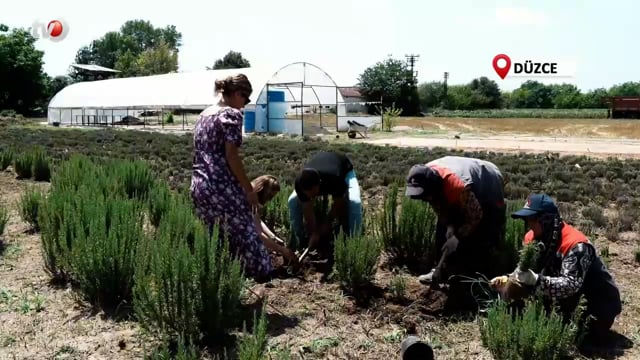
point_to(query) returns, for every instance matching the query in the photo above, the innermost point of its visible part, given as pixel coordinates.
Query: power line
(411, 59)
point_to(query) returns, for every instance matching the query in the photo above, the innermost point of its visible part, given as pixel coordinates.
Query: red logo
(54, 28)
(503, 70)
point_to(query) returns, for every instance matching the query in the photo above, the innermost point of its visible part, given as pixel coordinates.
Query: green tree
(459, 97)
(593, 99)
(629, 88)
(159, 60)
(566, 96)
(127, 64)
(123, 50)
(233, 60)
(23, 83)
(485, 94)
(430, 94)
(56, 84)
(392, 82)
(532, 94)
(506, 99)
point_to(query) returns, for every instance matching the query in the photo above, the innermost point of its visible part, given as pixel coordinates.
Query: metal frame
(303, 85)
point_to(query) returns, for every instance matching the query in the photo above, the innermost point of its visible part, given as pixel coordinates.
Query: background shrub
(134, 178)
(29, 206)
(159, 202)
(106, 238)
(4, 219)
(530, 335)
(183, 290)
(409, 236)
(41, 165)
(185, 350)
(23, 165)
(595, 214)
(6, 158)
(55, 220)
(252, 347)
(356, 260)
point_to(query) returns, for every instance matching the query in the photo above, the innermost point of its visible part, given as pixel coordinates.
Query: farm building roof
(174, 90)
(350, 92)
(92, 67)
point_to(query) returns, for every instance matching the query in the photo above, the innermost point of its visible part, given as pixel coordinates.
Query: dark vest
(599, 288)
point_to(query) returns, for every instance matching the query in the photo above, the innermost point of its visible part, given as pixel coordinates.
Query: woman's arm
(265, 229)
(235, 163)
(232, 124)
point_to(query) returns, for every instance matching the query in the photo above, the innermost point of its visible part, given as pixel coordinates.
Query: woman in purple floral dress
(221, 192)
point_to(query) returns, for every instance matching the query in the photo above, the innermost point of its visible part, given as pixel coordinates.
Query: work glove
(499, 281)
(451, 244)
(527, 278)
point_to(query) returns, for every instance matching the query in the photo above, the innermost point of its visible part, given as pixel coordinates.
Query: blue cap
(536, 204)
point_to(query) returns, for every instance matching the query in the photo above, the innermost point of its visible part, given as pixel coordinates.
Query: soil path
(597, 147)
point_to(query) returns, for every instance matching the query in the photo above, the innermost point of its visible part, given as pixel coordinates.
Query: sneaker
(426, 279)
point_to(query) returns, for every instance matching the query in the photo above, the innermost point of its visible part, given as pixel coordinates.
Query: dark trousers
(596, 324)
(474, 253)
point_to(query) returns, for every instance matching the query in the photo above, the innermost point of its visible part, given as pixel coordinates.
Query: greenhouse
(299, 98)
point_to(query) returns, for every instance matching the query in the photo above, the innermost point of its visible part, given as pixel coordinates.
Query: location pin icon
(502, 71)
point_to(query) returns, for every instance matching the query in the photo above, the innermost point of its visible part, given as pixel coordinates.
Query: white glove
(528, 278)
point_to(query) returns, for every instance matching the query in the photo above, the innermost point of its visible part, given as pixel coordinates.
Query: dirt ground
(600, 147)
(308, 318)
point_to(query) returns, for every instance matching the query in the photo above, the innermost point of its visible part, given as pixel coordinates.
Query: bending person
(326, 173)
(266, 187)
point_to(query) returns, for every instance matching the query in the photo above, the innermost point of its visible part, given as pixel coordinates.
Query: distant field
(557, 127)
(525, 113)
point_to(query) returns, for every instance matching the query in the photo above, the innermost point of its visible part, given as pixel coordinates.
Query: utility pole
(443, 101)
(411, 59)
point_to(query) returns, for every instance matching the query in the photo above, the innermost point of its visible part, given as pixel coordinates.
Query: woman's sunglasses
(246, 96)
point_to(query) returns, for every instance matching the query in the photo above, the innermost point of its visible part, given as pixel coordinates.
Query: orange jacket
(569, 238)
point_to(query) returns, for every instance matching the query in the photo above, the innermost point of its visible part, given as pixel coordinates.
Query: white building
(111, 102)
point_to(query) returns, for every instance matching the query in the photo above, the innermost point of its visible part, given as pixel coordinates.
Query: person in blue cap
(567, 267)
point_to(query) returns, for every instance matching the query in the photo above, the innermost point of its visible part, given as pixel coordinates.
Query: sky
(344, 37)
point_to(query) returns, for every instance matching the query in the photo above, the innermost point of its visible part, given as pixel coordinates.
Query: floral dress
(217, 194)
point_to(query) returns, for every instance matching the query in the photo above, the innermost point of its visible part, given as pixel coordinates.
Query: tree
(506, 99)
(56, 84)
(391, 81)
(430, 94)
(459, 97)
(159, 60)
(122, 50)
(566, 96)
(593, 99)
(233, 60)
(23, 83)
(629, 88)
(532, 94)
(485, 94)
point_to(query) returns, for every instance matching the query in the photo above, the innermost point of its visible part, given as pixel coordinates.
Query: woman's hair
(233, 83)
(265, 185)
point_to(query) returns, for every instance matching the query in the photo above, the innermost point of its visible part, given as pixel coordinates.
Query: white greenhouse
(282, 101)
